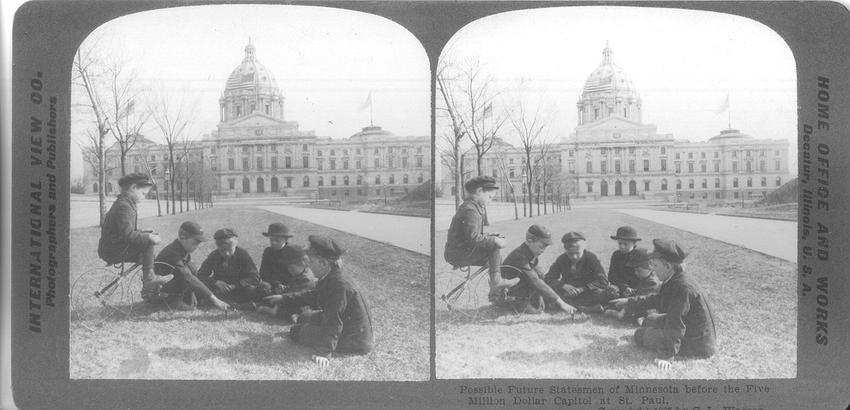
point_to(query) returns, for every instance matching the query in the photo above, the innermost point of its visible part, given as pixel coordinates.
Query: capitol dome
(728, 135)
(250, 88)
(608, 92)
(372, 132)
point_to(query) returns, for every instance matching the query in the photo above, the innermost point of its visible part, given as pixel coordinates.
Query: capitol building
(612, 153)
(257, 151)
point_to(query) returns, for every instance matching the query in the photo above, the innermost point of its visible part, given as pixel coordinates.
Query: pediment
(257, 120)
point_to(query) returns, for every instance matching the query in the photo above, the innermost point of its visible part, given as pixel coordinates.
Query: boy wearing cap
(283, 270)
(529, 294)
(120, 238)
(685, 324)
(647, 284)
(228, 271)
(176, 259)
(343, 324)
(466, 242)
(578, 277)
(621, 273)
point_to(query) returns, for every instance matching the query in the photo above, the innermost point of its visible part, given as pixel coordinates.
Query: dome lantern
(608, 92)
(250, 88)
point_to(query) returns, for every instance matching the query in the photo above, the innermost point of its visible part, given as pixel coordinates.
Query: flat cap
(540, 232)
(325, 247)
(572, 237)
(278, 229)
(668, 250)
(638, 258)
(224, 233)
(626, 233)
(483, 181)
(192, 229)
(137, 178)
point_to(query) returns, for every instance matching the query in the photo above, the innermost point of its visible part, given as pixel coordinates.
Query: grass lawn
(159, 344)
(753, 298)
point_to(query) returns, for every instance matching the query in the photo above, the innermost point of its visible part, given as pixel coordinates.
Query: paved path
(775, 238)
(406, 232)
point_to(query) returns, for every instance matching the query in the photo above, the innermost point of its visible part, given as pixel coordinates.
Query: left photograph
(251, 197)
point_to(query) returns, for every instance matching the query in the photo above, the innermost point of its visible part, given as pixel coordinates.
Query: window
(333, 180)
(273, 148)
(735, 194)
(678, 156)
(418, 162)
(631, 165)
(617, 166)
(763, 181)
(604, 167)
(716, 166)
(596, 113)
(572, 167)
(305, 162)
(318, 153)
(245, 149)
(274, 162)
(288, 182)
(690, 155)
(678, 167)
(702, 167)
(376, 151)
(511, 173)
(304, 147)
(761, 153)
(664, 184)
(570, 153)
(287, 162)
(360, 180)
(645, 165)
(333, 152)
(678, 184)
(749, 182)
(244, 164)
(691, 184)
(420, 178)
(778, 181)
(306, 181)
(762, 166)
(230, 164)
(392, 179)
(404, 162)
(631, 150)
(590, 187)
(377, 180)
(268, 109)
(777, 164)
(390, 162)
(320, 164)
(663, 150)
(377, 163)
(231, 183)
(321, 181)
(705, 183)
(259, 148)
(153, 157)
(333, 163)
(734, 154)
(359, 164)
(345, 163)
(749, 153)
(589, 168)
(735, 166)
(663, 164)
(717, 182)
(646, 185)
(749, 166)
(345, 180)
(735, 182)
(702, 155)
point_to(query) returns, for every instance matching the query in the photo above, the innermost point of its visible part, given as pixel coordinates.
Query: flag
(128, 109)
(488, 111)
(723, 107)
(366, 104)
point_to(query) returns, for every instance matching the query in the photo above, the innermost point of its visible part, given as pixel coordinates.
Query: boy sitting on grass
(229, 272)
(176, 258)
(684, 325)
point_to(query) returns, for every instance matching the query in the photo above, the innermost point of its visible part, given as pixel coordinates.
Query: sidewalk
(771, 237)
(406, 232)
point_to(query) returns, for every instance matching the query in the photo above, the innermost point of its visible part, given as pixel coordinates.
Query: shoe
(592, 309)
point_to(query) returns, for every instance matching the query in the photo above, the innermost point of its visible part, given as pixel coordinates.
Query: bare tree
(172, 117)
(529, 128)
(144, 154)
(123, 94)
(87, 69)
(451, 155)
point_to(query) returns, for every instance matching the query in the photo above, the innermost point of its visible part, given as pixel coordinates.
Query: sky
(683, 64)
(326, 62)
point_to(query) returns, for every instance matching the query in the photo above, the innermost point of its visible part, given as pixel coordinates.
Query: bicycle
(115, 289)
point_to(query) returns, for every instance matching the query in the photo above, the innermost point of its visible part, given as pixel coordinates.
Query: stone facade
(255, 151)
(612, 154)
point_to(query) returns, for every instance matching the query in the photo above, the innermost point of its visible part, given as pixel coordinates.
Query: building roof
(730, 135)
(251, 74)
(608, 77)
(372, 132)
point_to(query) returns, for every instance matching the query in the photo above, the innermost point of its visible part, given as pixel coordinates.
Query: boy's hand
(663, 364)
(273, 299)
(618, 303)
(321, 361)
(500, 241)
(565, 307)
(154, 238)
(571, 290)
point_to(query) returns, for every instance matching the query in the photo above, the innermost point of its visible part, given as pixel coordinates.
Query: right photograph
(616, 197)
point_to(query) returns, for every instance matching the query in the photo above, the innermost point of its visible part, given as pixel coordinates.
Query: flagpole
(729, 109)
(371, 121)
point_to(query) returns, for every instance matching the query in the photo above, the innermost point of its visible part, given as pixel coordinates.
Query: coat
(522, 263)
(688, 322)
(623, 277)
(238, 270)
(589, 273)
(120, 239)
(274, 267)
(346, 324)
(466, 243)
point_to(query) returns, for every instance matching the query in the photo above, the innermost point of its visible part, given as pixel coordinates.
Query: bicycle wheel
(101, 293)
(463, 293)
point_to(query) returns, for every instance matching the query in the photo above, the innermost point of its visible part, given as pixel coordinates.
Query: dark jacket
(688, 320)
(274, 267)
(346, 322)
(466, 242)
(119, 234)
(624, 277)
(521, 263)
(588, 274)
(239, 269)
(173, 259)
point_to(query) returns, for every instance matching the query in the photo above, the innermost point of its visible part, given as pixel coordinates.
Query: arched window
(275, 187)
(246, 185)
(603, 188)
(261, 185)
